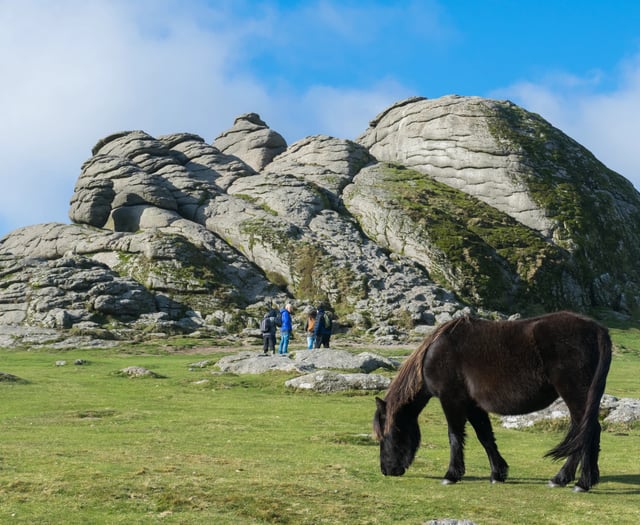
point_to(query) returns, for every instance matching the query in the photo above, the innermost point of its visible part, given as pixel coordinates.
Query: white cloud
(76, 71)
(605, 122)
(338, 112)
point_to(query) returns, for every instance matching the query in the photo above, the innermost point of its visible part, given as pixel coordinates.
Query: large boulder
(483, 254)
(328, 382)
(251, 140)
(504, 205)
(324, 358)
(257, 363)
(62, 276)
(614, 410)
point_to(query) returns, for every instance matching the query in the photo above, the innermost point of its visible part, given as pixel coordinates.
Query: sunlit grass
(79, 444)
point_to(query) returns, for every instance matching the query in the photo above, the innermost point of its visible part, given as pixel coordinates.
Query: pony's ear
(380, 404)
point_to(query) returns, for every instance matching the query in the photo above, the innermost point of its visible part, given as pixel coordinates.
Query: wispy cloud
(604, 120)
(76, 71)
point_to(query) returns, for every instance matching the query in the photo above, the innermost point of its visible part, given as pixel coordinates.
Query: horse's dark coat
(507, 367)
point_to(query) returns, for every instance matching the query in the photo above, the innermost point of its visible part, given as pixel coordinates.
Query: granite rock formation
(439, 208)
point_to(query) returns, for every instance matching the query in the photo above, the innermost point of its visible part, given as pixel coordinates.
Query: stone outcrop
(303, 361)
(251, 140)
(441, 207)
(321, 369)
(452, 140)
(364, 362)
(623, 410)
(175, 279)
(256, 363)
(137, 372)
(497, 203)
(328, 382)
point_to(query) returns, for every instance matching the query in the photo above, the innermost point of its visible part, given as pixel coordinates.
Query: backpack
(279, 319)
(326, 319)
(265, 325)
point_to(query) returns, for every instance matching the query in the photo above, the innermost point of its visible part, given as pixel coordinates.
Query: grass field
(81, 444)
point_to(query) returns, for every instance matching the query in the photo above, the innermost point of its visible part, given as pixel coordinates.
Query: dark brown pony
(506, 367)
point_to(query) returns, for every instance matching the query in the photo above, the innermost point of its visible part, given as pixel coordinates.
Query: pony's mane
(408, 382)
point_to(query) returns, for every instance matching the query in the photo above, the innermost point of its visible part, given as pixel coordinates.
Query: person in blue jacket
(285, 329)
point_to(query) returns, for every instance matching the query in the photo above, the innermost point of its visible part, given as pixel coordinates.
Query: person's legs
(284, 343)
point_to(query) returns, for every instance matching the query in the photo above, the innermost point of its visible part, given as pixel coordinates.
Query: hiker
(309, 328)
(322, 328)
(285, 329)
(268, 330)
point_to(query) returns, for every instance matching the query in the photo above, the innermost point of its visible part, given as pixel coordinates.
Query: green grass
(79, 444)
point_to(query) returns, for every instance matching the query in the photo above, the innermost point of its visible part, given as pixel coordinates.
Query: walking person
(323, 327)
(285, 329)
(268, 330)
(309, 329)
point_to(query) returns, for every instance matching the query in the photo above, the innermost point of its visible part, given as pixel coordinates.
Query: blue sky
(74, 71)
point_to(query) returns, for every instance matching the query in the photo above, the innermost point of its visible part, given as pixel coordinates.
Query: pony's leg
(587, 455)
(590, 473)
(567, 473)
(456, 420)
(479, 419)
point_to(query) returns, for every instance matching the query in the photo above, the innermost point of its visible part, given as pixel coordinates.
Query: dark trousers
(323, 339)
(269, 343)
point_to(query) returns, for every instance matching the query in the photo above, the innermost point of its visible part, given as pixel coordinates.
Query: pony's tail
(582, 433)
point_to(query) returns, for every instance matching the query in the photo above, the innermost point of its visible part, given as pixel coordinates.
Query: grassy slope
(82, 445)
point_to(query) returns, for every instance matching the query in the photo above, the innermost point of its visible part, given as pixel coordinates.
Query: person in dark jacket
(322, 328)
(268, 329)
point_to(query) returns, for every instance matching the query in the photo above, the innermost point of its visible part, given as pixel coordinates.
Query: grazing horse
(476, 366)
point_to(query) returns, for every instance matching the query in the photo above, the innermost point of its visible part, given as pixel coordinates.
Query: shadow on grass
(627, 479)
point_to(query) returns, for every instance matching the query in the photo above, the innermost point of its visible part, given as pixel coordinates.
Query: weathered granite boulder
(62, 292)
(308, 361)
(256, 363)
(324, 358)
(251, 140)
(616, 410)
(131, 171)
(490, 195)
(139, 371)
(327, 381)
(452, 139)
(62, 276)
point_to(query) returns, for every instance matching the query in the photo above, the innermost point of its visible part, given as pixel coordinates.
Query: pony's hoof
(446, 481)
(554, 485)
(578, 488)
(497, 481)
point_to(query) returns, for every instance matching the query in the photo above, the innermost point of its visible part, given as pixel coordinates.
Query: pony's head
(399, 439)
(395, 424)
